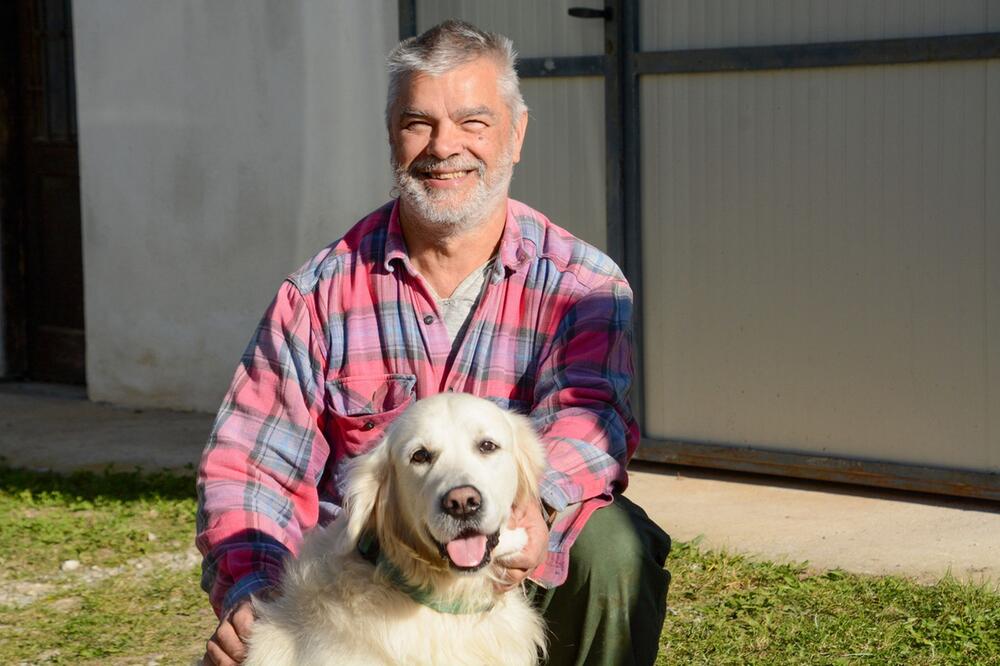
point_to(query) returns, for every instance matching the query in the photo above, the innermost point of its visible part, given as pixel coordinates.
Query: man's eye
(488, 446)
(421, 456)
(475, 124)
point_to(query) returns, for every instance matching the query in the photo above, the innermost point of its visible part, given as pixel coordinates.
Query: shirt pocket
(363, 406)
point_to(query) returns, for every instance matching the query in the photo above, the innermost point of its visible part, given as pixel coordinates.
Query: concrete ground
(830, 526)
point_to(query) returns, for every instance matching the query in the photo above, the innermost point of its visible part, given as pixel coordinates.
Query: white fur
(335, 609)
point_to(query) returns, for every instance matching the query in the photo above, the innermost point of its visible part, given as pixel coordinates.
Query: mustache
(427, 163)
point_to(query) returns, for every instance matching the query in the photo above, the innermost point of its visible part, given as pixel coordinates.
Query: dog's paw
(511, 541)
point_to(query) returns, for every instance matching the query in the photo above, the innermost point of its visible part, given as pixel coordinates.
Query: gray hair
(449, 45)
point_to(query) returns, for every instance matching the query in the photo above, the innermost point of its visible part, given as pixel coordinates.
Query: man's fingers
(215, 656)
(519, 562)
(510, 578)
(516, 575)
(242, 621)
(230, 643)
(227, 646)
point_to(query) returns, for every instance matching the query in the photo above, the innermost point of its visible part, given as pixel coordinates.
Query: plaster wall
(221, 145)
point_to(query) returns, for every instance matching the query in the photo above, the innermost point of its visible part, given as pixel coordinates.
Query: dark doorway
(43, 257)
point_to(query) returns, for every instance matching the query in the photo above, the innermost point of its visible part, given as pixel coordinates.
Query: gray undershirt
(456, 310)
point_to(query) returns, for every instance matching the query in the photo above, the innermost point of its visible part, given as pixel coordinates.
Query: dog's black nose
(462, 502)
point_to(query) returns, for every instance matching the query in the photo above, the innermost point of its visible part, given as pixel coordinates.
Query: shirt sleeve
(257, 482)
(582, 406)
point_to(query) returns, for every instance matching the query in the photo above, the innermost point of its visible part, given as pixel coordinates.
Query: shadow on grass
(87, 485)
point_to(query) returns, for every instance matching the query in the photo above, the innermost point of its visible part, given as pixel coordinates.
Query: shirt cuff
(552, 492)
(244, 587)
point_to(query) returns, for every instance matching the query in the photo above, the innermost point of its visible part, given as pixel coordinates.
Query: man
(451, 287)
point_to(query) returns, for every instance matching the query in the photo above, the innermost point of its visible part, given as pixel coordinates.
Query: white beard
(442, 211)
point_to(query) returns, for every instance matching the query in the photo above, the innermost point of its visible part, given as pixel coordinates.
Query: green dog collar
(368, 548)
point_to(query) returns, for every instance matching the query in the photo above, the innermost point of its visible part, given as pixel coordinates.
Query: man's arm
(582, 401)
(258, 476)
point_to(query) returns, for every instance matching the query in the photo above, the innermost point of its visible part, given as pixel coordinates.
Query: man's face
(454, 145)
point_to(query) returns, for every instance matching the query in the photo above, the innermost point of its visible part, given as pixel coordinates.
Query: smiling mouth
(470, 550)
(445, 175)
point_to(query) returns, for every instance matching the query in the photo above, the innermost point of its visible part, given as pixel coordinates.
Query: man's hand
(520, 565)
(227, 646)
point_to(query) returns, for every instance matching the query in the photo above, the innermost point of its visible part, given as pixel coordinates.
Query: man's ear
(520, 127)
(367, 480)
(529, 457)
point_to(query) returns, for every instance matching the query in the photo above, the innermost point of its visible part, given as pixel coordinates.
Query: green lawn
(134, 598)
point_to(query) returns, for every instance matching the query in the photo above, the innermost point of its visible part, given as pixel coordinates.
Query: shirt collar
(515, 252)
(395, 246)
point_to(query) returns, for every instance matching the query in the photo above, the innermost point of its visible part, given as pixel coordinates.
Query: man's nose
(446, 140)
(462, 502)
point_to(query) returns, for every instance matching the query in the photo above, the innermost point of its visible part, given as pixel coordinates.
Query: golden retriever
(406, 575)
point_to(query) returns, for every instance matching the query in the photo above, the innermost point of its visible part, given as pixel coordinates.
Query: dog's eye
(421, 456)
(486, 446)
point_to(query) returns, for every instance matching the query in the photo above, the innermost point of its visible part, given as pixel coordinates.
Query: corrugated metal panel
(562, 169)
(690, 24)
(537, 28)
(822, 260)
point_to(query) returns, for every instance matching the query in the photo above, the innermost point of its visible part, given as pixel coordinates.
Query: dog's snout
(462, 502)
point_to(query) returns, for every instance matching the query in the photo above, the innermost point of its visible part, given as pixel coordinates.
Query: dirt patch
(145, 564)
(67, 604)
(22, 593)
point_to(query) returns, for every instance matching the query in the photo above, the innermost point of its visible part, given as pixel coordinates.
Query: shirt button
(368, 426)
(429, 319)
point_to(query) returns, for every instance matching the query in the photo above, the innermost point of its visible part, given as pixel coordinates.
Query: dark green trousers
(610, 610)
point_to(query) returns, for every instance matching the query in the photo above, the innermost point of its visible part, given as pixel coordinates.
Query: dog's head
(444, 479)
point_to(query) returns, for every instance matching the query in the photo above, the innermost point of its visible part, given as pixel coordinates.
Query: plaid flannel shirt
(354, 337)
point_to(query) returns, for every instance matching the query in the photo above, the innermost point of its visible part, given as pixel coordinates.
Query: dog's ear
(366, 479)
(529, 457)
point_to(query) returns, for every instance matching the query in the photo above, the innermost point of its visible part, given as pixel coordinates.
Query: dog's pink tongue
(467, 551)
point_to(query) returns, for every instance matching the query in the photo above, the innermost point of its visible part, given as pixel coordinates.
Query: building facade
(805, 195)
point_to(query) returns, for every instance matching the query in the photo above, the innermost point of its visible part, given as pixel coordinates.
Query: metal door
(662, 59)
(821, 222)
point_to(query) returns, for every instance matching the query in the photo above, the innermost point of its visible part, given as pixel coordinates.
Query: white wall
(221, 145)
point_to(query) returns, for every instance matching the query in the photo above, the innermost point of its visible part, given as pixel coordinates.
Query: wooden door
(52, 247)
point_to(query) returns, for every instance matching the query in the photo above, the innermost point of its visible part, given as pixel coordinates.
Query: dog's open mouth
(470, 550)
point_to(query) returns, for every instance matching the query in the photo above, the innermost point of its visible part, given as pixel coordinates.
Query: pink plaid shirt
(354, 337)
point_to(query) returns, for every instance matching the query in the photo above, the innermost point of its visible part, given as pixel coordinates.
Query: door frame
(623, 64)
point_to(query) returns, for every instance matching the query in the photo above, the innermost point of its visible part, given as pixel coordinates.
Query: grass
(101, 519)
(726, 609)
(135, 599)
